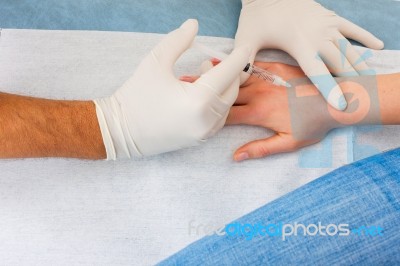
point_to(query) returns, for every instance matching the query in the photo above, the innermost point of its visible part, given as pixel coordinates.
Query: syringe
(250, 69)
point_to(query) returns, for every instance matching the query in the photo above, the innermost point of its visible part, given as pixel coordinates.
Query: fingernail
(186, 79)
(242, 157)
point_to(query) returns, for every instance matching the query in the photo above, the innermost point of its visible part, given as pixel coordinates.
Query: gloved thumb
(265, 147)
(176, 43)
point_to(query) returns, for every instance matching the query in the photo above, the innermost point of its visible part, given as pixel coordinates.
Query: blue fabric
(217, 17)
(366, 193)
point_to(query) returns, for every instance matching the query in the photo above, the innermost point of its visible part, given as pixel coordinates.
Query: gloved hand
(153, 112)
(312, 35)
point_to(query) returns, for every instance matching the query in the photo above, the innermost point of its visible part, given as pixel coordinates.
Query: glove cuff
(116, 137)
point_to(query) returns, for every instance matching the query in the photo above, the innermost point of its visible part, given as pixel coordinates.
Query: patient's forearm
(379, 95)
(31, 127)
(389, 98)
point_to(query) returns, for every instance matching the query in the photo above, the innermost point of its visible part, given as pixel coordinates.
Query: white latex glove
(312, 35)
(153, 112)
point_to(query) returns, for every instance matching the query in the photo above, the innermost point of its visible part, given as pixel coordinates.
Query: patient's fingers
(215, 61)
(265, 147)
(189, 79)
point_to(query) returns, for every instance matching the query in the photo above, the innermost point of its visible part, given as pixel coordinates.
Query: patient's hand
(300, 116)
(295, 114)
(261, 103)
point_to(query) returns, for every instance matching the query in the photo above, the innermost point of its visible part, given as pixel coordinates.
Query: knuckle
(263, 151)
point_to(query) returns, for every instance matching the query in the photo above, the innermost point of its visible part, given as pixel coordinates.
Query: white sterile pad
(134, 212)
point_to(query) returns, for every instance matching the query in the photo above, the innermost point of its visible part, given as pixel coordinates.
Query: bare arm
(305, 119)
(32, 127)
(389, 98)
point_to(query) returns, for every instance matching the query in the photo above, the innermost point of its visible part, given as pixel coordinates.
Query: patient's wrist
(389, 96)
(362, 96)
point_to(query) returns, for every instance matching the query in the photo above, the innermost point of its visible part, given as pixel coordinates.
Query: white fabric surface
(71, 212)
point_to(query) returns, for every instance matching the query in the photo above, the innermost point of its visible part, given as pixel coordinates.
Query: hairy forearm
(32, 128)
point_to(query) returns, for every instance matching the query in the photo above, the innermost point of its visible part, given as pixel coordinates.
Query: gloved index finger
(222, 76)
